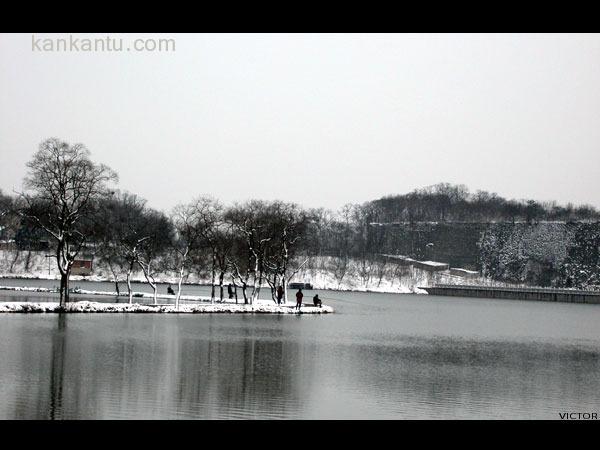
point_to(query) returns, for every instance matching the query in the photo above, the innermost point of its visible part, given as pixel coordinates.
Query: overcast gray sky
(317, 119)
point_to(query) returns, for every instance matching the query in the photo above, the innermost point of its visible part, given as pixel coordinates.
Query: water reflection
(387, 357)
(149, 367)
(454, 378)
(57, 367)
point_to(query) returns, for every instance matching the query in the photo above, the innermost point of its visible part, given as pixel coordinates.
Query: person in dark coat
(279, 294)
(317, 301)
(230, 290)
(299, 296)
(170, 290)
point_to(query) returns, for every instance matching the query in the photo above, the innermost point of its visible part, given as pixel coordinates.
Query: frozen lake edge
(210, 308)
(203, 307)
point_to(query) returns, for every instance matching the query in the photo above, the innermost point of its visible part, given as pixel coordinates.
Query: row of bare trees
(71, 200)
(249, 245)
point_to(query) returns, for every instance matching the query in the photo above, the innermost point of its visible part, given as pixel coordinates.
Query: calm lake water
(380, 356)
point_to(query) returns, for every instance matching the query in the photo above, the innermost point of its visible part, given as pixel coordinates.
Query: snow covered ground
(204, 305)
(322, 272)
(377, 276)
(204, 308)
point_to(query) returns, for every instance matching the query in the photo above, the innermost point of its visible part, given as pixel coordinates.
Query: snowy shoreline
(96, 307)
(321, 272)
(205, 305)
(98, 279)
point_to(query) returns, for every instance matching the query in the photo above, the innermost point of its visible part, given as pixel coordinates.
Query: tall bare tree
(249, 220)
(10, 226)
(157, 231)
(208, 213)
(60, 189)
(287, 224)
(188, 240)
(122, 231)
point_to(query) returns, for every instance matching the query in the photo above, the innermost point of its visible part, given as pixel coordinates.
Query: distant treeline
(445, 202)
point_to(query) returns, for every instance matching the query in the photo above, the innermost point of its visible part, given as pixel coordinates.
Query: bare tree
(208, 213)
(188, 225)
(10, 225)
(122, 231)
(223, 243)
(61, 187)
(249, 245)
(157, 235)
(287, 223)
(116, 264)
(6, 216)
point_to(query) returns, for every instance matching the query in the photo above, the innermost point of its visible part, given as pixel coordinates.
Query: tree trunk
(64, 286)
(62, 290)
(12, 264)
(253, 291)
(150, 279)
(63, 273)
(179, 287)
(235, 291)
(129, 291)
(273, 286)
(67, 288)
(27, 260)
(213, 276)
(257, 289)
(221, 276)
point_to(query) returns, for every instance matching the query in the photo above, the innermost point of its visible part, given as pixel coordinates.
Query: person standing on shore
(299, 296)
(230, 290)
(279, 294)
